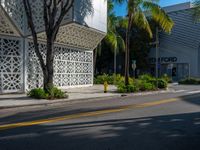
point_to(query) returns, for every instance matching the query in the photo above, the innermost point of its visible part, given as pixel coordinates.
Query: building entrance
(177, 71)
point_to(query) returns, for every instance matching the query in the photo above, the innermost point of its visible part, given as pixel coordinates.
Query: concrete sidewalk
(75, 94)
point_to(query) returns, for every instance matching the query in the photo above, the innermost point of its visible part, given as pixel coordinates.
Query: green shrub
(144, 83)
(110, 79)
(167, 78)
(146, 86)
(101, 79)
(146, 77)
(53, 93)
(162, 84)
(118, 78)
(194, 81)
(122, 88)
(38, 93)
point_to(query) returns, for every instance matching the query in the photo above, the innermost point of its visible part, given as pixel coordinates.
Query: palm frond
(121, 44)
(110, 6)
(196, 13)
(123, 23)
(111, 40)
(141, 21)
(159, 15)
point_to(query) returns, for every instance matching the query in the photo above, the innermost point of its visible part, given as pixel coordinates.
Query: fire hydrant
(105, 87)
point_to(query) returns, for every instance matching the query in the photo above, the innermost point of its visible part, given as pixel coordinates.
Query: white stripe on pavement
(193, 92)
(179, 91)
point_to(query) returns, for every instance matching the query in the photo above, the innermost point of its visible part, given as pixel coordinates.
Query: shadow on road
(171, 132)
(192, 99)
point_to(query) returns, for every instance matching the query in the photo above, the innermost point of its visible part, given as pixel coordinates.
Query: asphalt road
(169, 121)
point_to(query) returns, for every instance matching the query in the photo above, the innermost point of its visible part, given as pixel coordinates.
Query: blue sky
(121, 10)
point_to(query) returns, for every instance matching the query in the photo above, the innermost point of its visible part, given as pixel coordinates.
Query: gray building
(179, 52)
(84, 26)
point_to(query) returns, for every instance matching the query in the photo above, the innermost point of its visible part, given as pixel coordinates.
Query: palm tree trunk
(127, 52)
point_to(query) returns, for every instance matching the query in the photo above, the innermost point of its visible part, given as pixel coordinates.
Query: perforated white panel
(15, 10)
(11, 66)
(72, 67)
(77, 36)
(5, 25)
(37, 9)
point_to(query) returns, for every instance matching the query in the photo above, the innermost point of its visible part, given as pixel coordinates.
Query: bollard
(105, 87)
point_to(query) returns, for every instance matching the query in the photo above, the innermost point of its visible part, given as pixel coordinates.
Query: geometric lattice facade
(77, 38)
(72, 66)
(11, 65)
(15, 10)
(6, 27)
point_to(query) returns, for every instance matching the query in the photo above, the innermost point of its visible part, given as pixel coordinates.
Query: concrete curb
(71, 101)
(84, 100)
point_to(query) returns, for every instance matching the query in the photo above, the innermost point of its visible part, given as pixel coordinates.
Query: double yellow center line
(85, 114)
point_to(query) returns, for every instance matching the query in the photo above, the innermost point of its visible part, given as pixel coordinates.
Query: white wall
(92, 13)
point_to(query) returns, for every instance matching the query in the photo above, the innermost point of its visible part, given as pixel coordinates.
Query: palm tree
(196, 4)
(113, 38)
(138, 12)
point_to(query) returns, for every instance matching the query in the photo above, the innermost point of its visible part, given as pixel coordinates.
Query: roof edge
(177, 7)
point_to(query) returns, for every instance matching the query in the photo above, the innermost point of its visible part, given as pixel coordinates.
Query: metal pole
(115, 65)
(157, 42)
(189, 71)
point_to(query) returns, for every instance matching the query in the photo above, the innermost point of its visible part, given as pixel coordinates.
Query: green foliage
(167, 78)
(102, 78)
(113, 39)
(144, 83)
(162, 84)
(53, 93)
(122, 88)
(196, 10)
(106, 78)
(146, 77)
(38, 93)
(191, 81)
(146, 86)
(110, 79)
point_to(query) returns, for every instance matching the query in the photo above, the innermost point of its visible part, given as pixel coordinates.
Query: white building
(180, 51)
(81, 31)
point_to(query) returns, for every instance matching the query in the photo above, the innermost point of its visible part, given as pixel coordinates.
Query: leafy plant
(110, 79)
(38, 93)
(146, 86)
(167, 78)
(53, 93)
(122, 88)
(191, 81)
(144, 83)
(162, 84)
(146, 77)
(101, 79)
